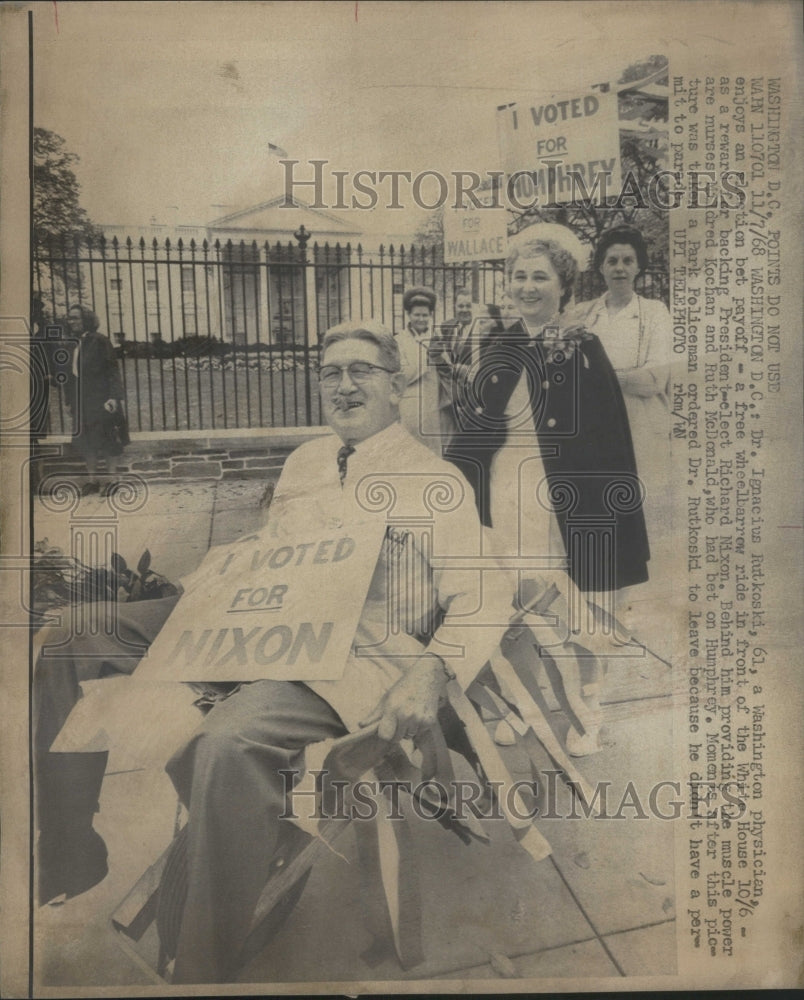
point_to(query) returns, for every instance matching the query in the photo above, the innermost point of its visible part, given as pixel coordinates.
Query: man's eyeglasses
(359, 372)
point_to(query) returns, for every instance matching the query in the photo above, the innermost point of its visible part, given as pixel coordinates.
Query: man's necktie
(343, 456)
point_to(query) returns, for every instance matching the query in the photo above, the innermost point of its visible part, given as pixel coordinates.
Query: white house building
(266, 273)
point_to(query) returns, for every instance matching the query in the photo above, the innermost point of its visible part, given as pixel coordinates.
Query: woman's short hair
(628, 235)
(373, 333)
(564, 263)
(89, 319)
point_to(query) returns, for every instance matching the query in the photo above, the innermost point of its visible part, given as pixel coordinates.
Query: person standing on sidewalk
(454, 330)
(636, 333)
(100, 429)
(424, 408)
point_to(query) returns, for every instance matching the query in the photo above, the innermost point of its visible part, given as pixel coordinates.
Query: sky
(172, 107)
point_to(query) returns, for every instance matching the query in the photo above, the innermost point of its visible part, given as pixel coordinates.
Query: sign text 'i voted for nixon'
(267, 609)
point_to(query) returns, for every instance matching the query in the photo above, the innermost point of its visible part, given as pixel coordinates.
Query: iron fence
(226, 335)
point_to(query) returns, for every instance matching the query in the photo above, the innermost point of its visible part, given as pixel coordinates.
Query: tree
(57, 212)
(60, 224)
(431, 233)
(644, 68)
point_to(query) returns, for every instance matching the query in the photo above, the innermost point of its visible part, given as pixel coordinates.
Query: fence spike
(217, 317)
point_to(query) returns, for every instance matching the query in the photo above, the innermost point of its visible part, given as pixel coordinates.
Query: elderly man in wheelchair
(435, 611)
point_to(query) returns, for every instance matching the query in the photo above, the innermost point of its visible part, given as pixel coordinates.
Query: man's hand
(412, 703)
(110, 405)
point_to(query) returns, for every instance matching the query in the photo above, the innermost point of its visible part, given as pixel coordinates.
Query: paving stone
(477, 900)
(646, 951)
(261, 452)
(261, 474)
(621, 870)
(195, 469)
(172, 521)
(586, 958)
(238, 494)
(154, 465)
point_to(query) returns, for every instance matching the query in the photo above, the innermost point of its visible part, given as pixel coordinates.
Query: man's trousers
(228, 776)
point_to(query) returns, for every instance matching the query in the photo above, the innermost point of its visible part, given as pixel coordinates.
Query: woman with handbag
(100, 429)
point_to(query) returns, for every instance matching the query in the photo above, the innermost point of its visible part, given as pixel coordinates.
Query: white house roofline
(226, 220)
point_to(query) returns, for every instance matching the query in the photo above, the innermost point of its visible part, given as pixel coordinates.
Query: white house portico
(270, 273)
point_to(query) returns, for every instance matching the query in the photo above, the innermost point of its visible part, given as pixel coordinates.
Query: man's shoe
(504, 735)
(583, 745)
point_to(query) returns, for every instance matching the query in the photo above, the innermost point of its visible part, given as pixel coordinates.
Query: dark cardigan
(582, 429)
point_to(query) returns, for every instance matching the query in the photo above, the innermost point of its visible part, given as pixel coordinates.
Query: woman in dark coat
(543, 438)
(100, 430)
(544, 434)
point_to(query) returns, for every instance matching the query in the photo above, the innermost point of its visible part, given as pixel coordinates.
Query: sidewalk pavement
(601, 905)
